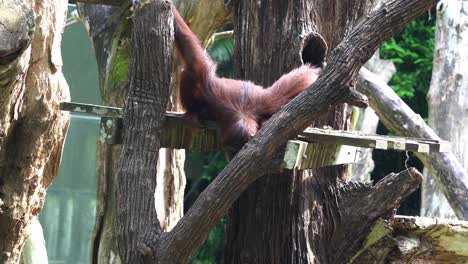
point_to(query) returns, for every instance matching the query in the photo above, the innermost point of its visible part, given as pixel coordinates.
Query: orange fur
(239, 107)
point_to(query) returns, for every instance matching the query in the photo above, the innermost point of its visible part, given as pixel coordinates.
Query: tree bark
(262, 58)
(32, 128)
(448, 97)
(112, 48)
(149, 77)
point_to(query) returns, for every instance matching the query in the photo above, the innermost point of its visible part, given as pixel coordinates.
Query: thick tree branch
(416, 240)
(149, 76)
(354, 98)
(398, 117)
(250, 163)
(381, 198)
(358, 206)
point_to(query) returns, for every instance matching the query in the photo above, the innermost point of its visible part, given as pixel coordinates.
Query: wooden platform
(339, 147)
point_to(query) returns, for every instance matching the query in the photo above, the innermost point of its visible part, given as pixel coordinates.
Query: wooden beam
(91, 109)
(357, 139)
(180, 133)
(101, 2)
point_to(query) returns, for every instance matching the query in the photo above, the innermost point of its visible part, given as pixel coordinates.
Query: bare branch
(223, 34)
(361, 205)
(355, 98)
(383, 197)
(398, 117)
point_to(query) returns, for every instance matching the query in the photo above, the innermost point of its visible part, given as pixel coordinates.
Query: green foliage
(221, 51)
(216, 164)
(119, 69)
(211, 252)
(412, 52)
(120, 54)
(202, 167)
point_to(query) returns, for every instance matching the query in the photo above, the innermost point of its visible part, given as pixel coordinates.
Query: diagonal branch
(449, 174)
(251, 162)
(360, 205)
(381, 198)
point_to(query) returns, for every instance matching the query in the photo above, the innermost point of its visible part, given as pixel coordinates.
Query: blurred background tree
(412, 52)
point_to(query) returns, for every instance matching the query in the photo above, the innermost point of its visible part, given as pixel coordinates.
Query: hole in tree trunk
(315, 50)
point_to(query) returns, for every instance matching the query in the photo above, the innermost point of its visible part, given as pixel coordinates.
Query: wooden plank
(358, 139)
(178, 132)
(300, 155)
(91, 109)
(342, 137)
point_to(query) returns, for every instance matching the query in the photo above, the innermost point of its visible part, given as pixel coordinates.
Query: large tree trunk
(448, 96)
(149, 76)
(270, 221)
(32, 128)
(112, 49)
